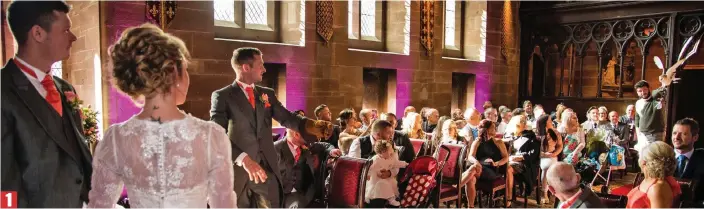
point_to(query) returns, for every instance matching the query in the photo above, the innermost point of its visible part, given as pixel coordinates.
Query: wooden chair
(348, 182)
(688, 187)
(612, 201)
(490, 189)
(450, 190)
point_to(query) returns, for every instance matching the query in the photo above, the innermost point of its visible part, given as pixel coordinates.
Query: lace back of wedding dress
(180, 163)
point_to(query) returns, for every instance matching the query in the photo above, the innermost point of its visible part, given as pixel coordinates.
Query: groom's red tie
(52, 94)
(250, 94)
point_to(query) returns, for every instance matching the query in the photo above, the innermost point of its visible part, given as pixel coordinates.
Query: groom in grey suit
(246, 110)
(44, 156)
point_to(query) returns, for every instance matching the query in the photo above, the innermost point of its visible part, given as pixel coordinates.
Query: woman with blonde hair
(574, 137)
(525, 149)
(163, 156)
(659, 189)
(413, 127)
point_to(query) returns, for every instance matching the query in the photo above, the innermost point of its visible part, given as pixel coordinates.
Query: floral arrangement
(88, 116)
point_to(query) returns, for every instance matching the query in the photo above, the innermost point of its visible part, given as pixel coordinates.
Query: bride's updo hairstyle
(146, 61)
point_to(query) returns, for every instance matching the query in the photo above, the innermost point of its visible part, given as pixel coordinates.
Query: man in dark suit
(322, 112)
(246, 110)
(400, 139)
(620, 129)
(433, 116)
(298, 164)
(684, 134)
(563, 181)
(44, 155)
(630, 116)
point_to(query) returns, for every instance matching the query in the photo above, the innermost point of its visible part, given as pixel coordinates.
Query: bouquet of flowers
(88, 116)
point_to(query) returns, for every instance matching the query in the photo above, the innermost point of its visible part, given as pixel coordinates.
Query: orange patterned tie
(52, 94)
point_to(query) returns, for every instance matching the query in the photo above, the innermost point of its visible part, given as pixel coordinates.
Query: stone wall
(319, 72)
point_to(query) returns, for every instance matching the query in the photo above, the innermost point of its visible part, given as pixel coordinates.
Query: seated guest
(684, 134)
(659, 189)
(322, 112)
(551, 147)
(491, 154)
(433, 116)
(603, 115)
(557, 115)
(350, 132)
(457, 114)
(505, 117)
(528, 108)
(448, 133)
(400, 139)
(471, 130)
(438, 134)
(362, 147)
(574, 138)
(564, 183)
(592, 118)
(525, 149)
(537, 112)
(630, 116)
(405, 113)
(413, 126)
(619, 129)
(381, 181)
(298, 164)
(492, 115)
(366, 116)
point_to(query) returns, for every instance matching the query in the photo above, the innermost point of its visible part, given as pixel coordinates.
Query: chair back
(455, 155)
(612, 201)
(687, 197)
(347, 182)
(418, 145)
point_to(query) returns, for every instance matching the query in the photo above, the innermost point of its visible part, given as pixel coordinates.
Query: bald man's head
(562, 178)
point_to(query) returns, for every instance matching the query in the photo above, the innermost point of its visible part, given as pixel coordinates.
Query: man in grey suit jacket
(298, 163)
(563, 181)
(44, 155)
(618, 128)
(246, 110)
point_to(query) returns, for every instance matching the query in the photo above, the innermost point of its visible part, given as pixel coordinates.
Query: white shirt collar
(687, 154)
(245, 85)
(40, 74)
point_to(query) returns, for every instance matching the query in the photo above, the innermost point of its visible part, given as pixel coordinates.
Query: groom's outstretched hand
(319, 128)
(256, 173)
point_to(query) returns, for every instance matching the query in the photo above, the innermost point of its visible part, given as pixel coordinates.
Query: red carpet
(622, 190)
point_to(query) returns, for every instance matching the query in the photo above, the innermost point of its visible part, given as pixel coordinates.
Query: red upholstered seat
(418, 144)
(451, 172)
(347, 182)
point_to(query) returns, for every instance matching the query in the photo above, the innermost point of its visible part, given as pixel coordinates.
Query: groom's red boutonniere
(73, 100)
(265, 99)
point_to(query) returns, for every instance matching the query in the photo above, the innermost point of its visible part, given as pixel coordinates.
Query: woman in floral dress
(574, 140)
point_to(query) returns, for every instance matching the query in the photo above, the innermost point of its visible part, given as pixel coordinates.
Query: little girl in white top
(386, 159)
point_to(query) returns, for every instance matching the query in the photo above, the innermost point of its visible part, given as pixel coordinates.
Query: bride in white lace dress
(164, 157)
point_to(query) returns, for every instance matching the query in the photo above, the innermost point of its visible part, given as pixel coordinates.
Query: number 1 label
(9, 199)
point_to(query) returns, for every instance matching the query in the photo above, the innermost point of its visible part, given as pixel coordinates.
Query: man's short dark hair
(244, 55)
(693, 125)
(23, 15)
(642, 84)
(319, 109)
(380, 125)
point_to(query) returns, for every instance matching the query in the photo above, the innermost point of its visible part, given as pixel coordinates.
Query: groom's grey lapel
(36, 105)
